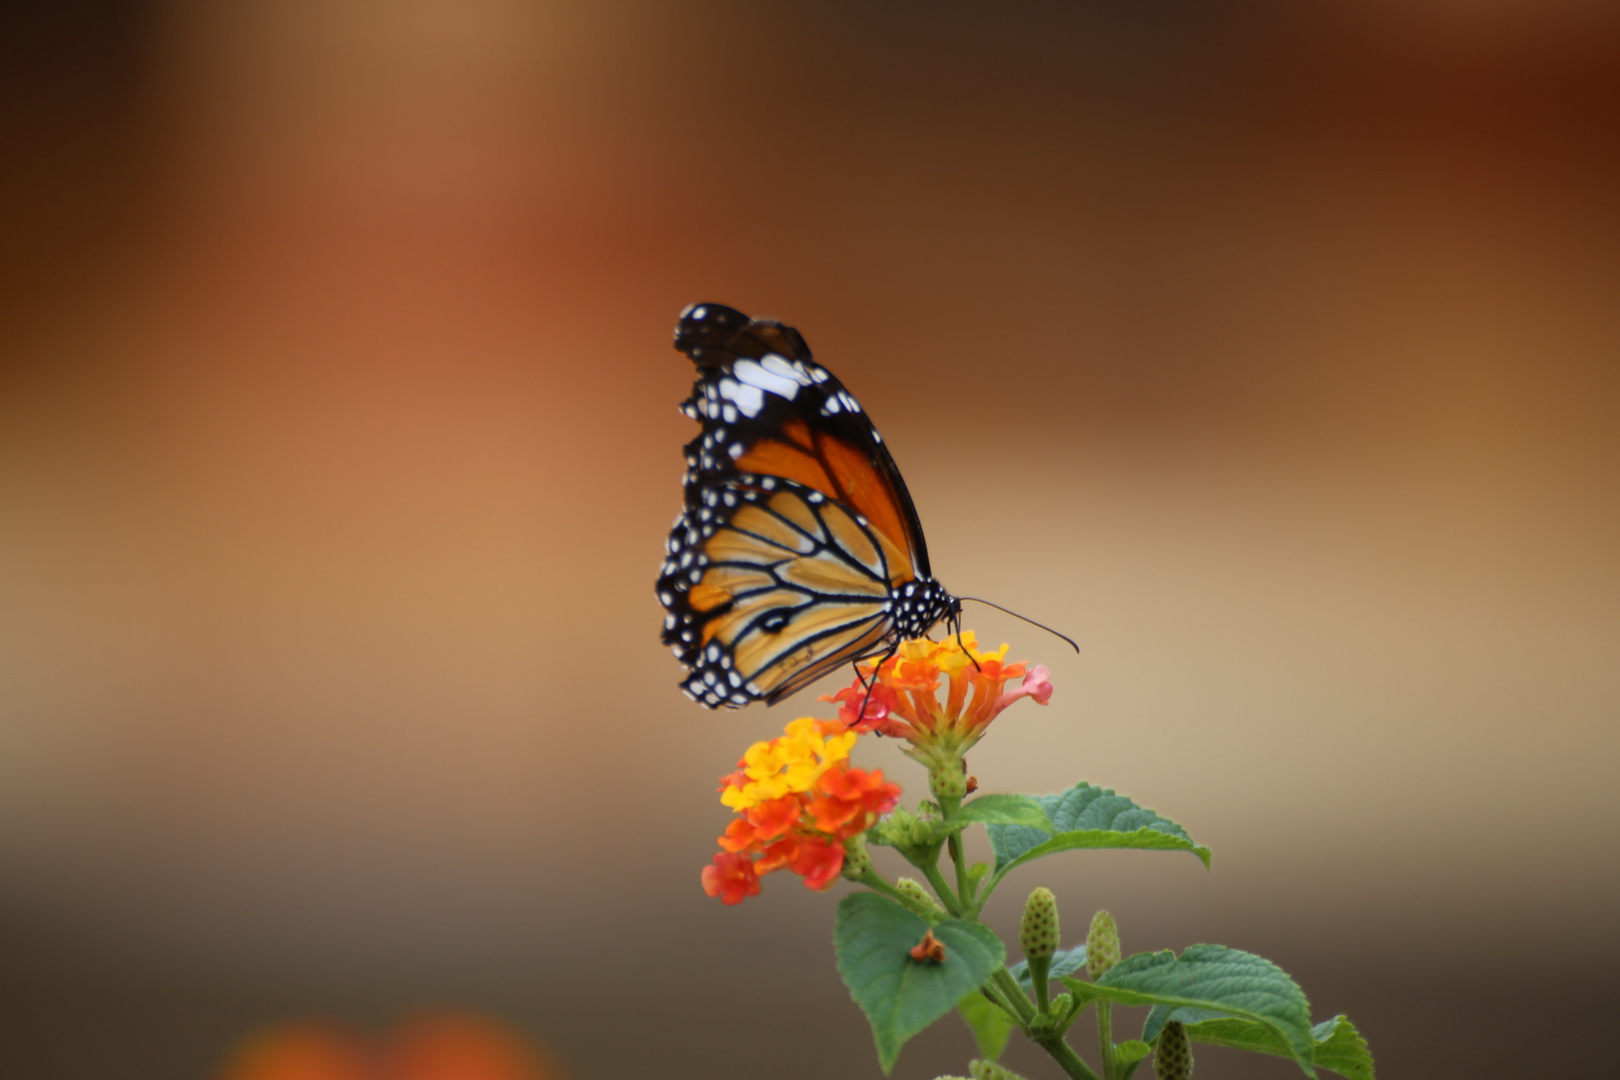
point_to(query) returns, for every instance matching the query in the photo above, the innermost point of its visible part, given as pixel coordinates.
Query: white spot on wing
(777, 365)
(749, 399)
(762, 378)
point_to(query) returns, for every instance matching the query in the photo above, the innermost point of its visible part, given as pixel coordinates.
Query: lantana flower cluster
(799, 803)
(899, 696)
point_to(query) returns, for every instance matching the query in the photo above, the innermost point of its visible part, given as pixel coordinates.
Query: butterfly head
(919, 605)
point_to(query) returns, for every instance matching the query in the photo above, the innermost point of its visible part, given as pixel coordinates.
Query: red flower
(819, 862)
(772, 819)
(738, 837)
(851, 801)
(732, 878)
(777, 855)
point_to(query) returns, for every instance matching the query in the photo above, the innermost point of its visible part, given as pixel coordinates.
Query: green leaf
(901, 996)
(1018, 810)
(1064, 962)
(1087, 817)
(1341, 1049)
(989, 1023)
(1336, 1045)
(1220, 982)
(1131, 1051)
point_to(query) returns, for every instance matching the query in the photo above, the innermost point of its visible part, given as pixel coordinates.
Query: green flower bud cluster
(948, 780)
(989, 1070)
(916, 836)
(914, 891)
(1172, 1054)
(1038, 932)
(857, 860)
(1102, 945)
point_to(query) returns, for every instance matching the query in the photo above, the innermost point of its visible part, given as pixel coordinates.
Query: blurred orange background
(1269, 352)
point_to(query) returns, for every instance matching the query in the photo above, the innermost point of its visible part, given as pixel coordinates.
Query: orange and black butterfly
(799, 549)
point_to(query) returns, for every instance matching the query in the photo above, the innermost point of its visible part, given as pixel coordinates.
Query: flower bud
(857, 860)
(948, 780)
(894, 828)
(1172, 1054)
(989, 1070)
(1102, 945)
(1038, 932)
(914, 891)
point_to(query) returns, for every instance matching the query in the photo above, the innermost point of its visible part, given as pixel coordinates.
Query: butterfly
(799, 549)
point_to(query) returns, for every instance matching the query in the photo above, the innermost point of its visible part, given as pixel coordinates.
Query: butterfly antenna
(1031, 622)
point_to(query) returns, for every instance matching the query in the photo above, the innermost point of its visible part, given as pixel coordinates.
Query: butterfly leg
(956, 621)
(869, 684)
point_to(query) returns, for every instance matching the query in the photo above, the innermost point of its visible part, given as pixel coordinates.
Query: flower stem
(1070, 1061)
(1105, 1036)
(1021, 1008)
(995, 994)
(963, 888)
(942, 889)
(1040, 976)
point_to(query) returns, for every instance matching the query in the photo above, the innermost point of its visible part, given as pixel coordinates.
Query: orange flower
(899, 696)
(772, 819)
(818, 862)
(851, 801)
(731, 878)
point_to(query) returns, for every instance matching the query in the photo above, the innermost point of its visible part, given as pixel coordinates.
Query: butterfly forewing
(769, 409)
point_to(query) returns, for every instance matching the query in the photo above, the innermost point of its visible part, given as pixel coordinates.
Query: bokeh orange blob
(309, 1050)
(460, 1047)
(434, 1046)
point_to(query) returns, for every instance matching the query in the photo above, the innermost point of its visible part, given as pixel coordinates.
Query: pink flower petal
(1037, 685)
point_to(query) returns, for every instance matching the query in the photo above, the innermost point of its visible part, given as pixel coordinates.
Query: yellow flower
(787, 765)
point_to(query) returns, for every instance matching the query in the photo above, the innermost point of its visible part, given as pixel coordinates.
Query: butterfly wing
(798, 529)
(769, 409)
(776, 586)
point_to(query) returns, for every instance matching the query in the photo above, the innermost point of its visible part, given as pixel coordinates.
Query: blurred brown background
(1270, 352)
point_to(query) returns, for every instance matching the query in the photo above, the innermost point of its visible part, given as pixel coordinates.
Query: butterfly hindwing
(768, 584)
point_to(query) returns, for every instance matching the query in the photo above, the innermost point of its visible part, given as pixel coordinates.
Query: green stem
(1021, 1008)
(1070, 1061)
(999, 999)
(963, 888)
(1105, 1036)
(941, 888)
(1040, 976)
